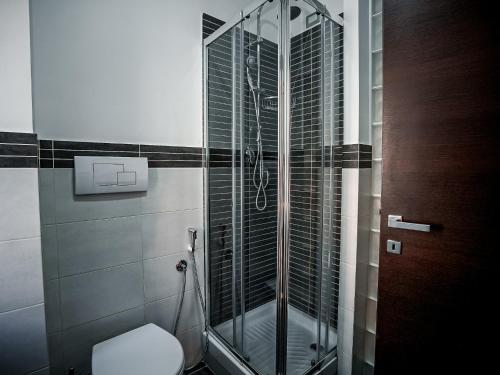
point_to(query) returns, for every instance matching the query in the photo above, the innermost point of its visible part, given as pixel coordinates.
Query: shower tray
(260, 338)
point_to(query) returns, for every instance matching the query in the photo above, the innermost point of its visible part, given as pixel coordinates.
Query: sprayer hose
(179, 309)
(202, 302)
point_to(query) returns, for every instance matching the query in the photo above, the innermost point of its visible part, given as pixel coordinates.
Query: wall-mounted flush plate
(103, 175)
(394, 247)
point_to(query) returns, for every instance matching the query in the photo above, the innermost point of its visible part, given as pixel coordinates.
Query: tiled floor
(200, 369)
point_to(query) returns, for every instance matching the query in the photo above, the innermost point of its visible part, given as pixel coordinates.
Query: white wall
(121, 70)
(15, 73)
(23, 341)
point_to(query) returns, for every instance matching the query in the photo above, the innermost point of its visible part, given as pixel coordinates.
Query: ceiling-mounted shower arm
(320, 7)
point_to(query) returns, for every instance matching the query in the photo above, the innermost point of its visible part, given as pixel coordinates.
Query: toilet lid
(145, 350)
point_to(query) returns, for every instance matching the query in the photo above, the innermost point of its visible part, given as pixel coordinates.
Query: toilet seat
(148, 350)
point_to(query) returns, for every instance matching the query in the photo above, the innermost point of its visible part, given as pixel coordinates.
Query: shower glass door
(316, 110)
(273, 138)
(242, 101)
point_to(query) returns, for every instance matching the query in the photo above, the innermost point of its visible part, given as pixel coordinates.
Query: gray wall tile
(21, 281)
(52, 306)
(192, 343)
(101, 293)
(56, 354)
(23, 340)
(166, 233)
(49, 252)
(19, 197)
(172, 189)
(161, 279)
(78, 341)
(163, 312)
(91, 245)
(47, 196)
(76, 208)
(93, 260)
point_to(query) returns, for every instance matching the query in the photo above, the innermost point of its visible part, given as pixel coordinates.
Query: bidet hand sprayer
(193, 235)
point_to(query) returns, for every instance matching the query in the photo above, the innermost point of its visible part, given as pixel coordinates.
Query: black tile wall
(210, 24)
(18, 150)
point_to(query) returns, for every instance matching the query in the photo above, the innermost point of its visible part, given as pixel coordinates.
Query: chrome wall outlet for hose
(181, 266)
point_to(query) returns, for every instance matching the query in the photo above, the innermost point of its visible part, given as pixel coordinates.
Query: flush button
(393, 247)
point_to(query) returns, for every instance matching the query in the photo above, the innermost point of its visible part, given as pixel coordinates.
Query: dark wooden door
(437, 310)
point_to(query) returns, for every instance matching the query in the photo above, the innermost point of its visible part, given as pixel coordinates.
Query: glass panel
(333, 107)
(238, 184)
(242, 141)
(223, 236)
(242, 129)
(315, 167)
(307, 156)
(260, 127)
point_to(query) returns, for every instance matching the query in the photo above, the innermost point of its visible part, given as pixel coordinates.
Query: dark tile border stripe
(347, 156)
(95, 146)
(357, 156)
(60, 154)
(11, 149)
(18, 162)
(18, 150)
(18, 138)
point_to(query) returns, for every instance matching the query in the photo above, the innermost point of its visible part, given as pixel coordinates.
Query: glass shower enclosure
(273, 104)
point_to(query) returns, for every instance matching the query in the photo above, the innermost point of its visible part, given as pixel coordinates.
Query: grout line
(100, 269)
(23, 308)
(95, 320)
(122, 216)
(21, 239)
(143, 273)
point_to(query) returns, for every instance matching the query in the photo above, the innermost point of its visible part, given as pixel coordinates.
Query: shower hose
(182, 266)
(259, 160)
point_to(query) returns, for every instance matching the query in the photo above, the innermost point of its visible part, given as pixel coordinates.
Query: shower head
(294, 12)
(250, 63)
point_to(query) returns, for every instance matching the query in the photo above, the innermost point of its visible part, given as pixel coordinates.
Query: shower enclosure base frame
(260, 337)
(224, 362)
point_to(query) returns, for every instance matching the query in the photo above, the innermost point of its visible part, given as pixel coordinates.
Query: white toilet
(148, 350)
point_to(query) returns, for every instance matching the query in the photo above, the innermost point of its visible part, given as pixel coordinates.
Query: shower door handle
(396, 221)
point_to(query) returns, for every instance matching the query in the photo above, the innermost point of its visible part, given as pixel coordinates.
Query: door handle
(396, 221)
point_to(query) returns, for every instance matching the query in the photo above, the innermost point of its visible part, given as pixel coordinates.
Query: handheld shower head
(251, 61)
(250, 80)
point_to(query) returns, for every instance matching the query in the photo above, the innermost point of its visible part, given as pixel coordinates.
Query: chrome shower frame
(284, 124)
